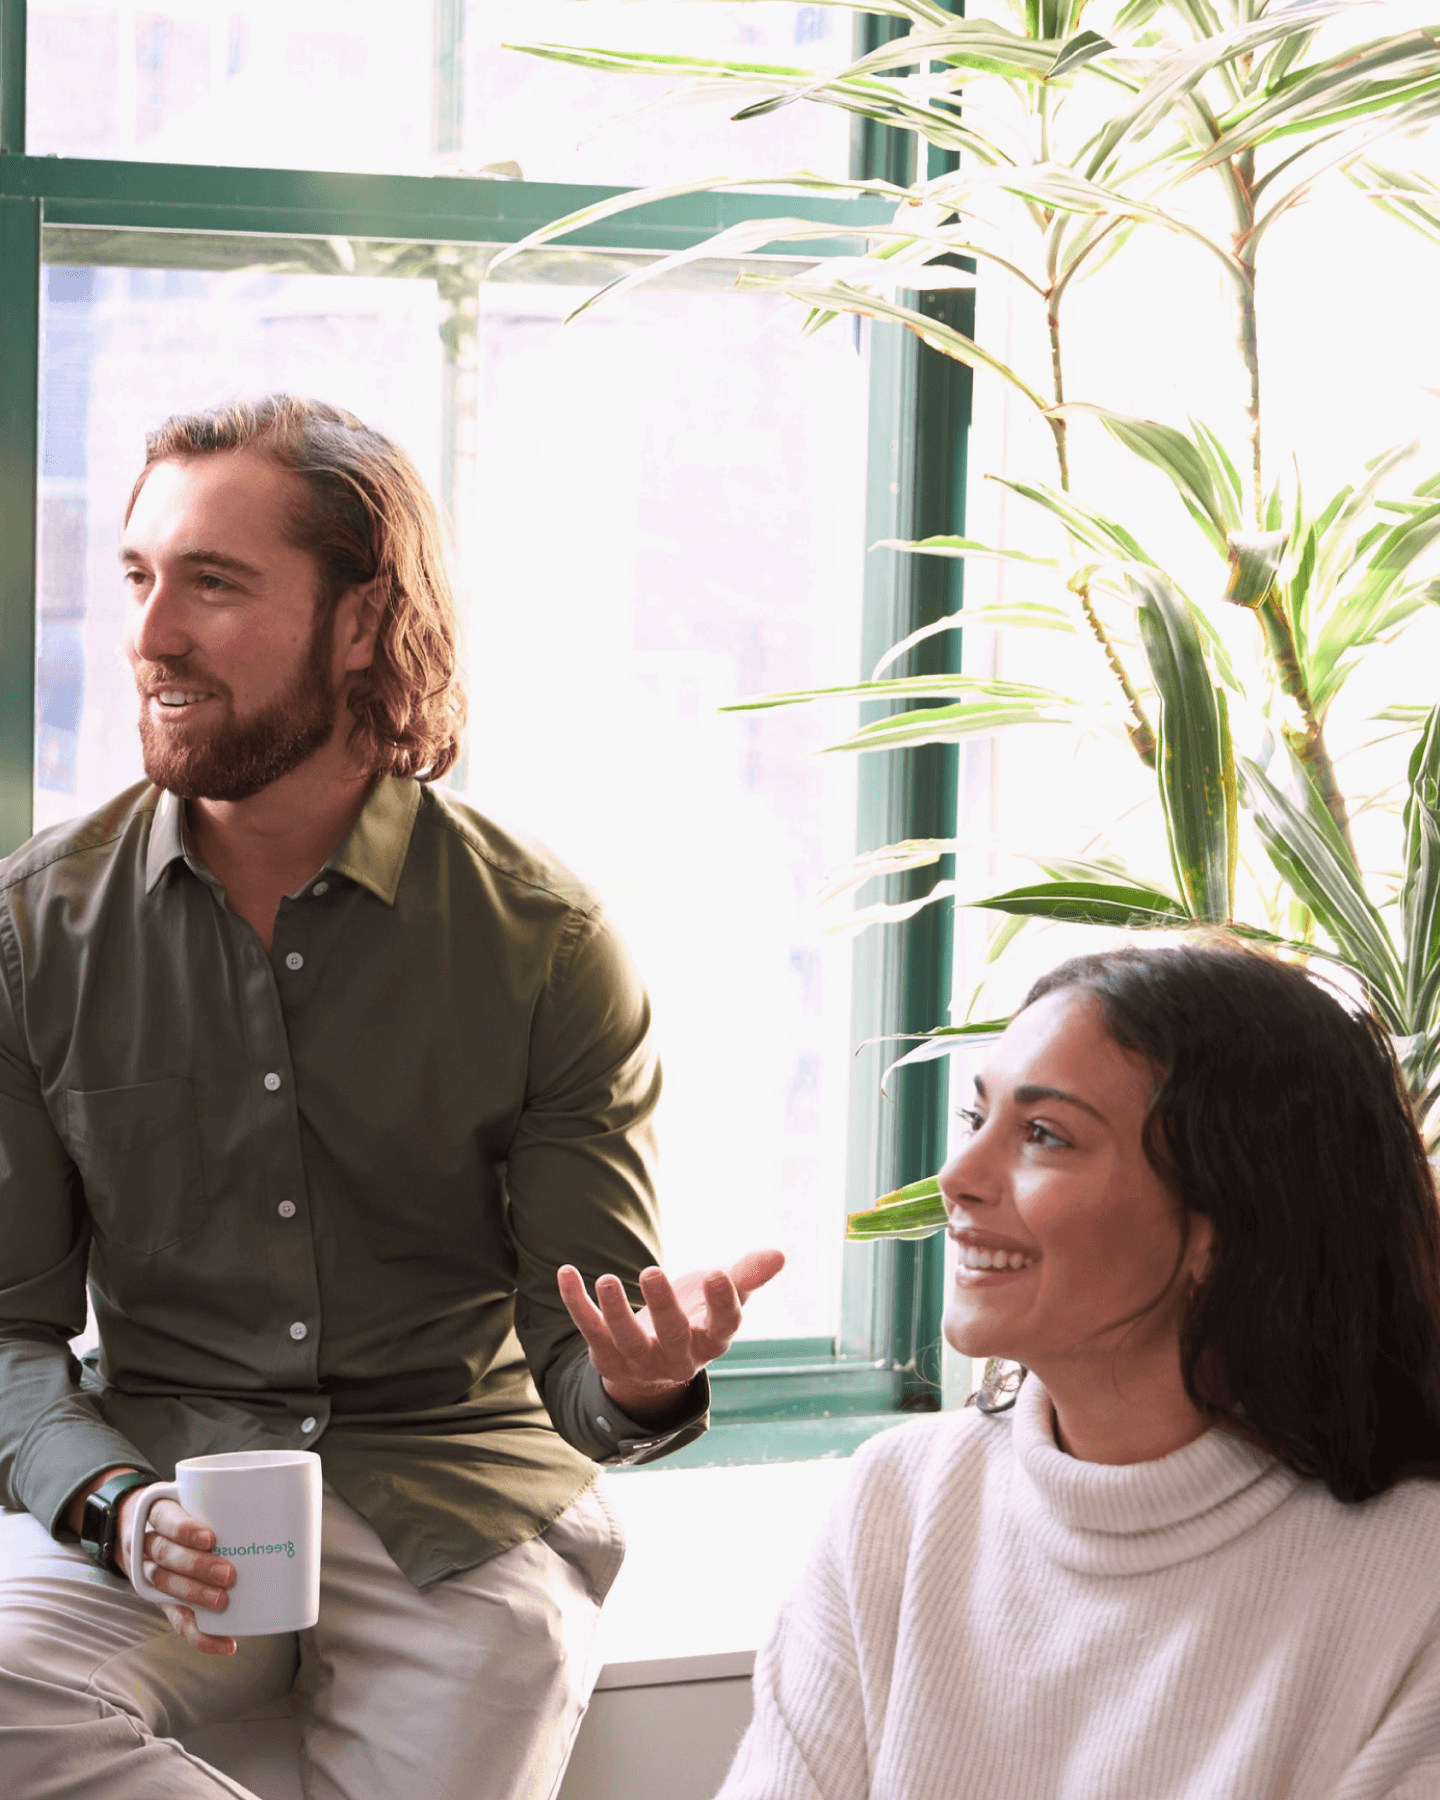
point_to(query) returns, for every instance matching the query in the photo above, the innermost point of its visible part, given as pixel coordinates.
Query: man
(343, 1095)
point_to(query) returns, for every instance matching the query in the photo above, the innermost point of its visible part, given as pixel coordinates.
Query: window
(657, 510)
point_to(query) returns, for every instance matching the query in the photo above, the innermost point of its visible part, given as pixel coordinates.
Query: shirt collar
(374, 850)
(167, 838)
(372, 853)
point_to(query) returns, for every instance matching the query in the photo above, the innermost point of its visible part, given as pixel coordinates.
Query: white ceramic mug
(264, 1508)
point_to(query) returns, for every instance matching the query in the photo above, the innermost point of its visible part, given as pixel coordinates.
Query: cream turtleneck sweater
(985, 1618)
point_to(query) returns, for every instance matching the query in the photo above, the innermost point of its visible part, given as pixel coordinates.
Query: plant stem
(1059, 425)
(1249, 329)
(1139, 729)
(1308, 742)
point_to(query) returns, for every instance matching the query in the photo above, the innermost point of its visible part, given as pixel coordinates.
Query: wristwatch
(100, 1517)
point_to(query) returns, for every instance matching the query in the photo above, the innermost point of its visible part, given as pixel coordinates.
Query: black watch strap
(100, 1517)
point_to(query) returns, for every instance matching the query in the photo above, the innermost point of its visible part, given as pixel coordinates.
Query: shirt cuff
(622, 1440)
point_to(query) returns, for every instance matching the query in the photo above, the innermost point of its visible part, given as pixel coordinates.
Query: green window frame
(774, 1400)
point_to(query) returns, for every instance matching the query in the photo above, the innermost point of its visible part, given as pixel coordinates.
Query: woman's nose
(967, 1174)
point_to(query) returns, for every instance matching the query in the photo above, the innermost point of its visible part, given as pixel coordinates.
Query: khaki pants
(471, 1690)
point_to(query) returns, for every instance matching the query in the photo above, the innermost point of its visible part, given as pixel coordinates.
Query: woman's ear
(1200, 1248)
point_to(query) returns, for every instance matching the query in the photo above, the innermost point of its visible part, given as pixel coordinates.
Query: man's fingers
(629, 1336)
(588, 1320)
(668, 1318)
(169, 1519)
(722, 1305)
(192, 1583)
(182, 1621)
(754, 1269)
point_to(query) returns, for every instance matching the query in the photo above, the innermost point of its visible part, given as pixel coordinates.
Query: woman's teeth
(973, 1258)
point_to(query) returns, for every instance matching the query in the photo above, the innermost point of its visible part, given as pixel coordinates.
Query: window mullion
(920, 412)
(19, 481)
(12, 77)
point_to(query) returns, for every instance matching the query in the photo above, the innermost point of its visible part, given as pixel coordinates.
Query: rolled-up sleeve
(52, 1438)
(580, 1181)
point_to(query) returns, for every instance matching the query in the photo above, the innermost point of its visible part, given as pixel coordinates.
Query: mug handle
(159, 1490)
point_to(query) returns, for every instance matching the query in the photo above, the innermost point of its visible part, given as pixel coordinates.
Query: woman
(1199, 1557)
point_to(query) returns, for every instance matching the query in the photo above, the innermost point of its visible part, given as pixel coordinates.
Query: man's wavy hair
(1281, 1115)
(366, 517)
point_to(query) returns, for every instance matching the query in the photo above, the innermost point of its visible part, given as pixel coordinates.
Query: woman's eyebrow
(1026, 1095)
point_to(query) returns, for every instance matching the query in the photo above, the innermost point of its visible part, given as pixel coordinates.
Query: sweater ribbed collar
(1130, 1519)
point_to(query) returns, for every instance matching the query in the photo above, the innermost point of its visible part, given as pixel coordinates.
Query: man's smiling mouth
(177, 697)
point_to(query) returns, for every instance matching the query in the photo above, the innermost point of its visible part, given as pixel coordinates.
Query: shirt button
(299, 1329)
(272, 1081)
(307, 1426)
(602, 1421)
(320, 887)
(294, 960)
(286, 1209)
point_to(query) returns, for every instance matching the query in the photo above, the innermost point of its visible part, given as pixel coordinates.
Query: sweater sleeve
(807, 1738)
(1401, 1760)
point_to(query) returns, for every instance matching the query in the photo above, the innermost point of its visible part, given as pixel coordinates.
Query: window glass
(658, 510)
(374, 86)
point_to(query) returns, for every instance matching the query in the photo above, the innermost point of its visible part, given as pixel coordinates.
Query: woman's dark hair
(1281, 1116)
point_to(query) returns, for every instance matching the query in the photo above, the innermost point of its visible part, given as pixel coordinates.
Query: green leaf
(1025, 614)
(1121, 905)
(1083, 48)
(913, 1212)
(951, 724)
(1054, 186)
(1168, 449)
(840, 297)
(1420, 896)
(631, 198)
(945, 1040)
(910, 687)
(1092, 529)
(1255, 559)
(1305, 846)
(889, 859)
(962, 546)
(1398, 76)
(1195, 762)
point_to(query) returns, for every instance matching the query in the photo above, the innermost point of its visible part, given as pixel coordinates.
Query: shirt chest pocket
(138, 1153)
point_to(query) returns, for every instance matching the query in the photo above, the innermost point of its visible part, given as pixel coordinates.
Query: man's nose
(158, 630)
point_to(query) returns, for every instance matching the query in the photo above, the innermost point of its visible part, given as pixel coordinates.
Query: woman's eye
(970, 1116)
(1043, 1136)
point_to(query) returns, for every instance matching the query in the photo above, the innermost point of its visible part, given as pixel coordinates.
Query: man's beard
(238, 757)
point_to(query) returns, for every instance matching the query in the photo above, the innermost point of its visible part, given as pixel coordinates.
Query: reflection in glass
(370, 85)
(658, 510)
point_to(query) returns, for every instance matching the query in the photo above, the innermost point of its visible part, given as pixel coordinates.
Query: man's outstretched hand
(647, 1359)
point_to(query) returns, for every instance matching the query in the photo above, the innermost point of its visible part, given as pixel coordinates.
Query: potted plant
(1072, 138)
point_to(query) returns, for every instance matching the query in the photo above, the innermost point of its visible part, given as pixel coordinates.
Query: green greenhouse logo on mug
(285, 1549)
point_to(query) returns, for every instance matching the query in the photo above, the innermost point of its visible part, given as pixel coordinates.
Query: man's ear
(357, 625)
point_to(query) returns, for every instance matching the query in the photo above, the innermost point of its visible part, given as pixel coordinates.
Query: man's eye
(211, 583)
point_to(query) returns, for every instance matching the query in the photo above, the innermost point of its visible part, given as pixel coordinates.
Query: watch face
(94, 1516)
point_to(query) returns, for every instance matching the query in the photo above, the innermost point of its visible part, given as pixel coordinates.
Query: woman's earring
(1000, 1387)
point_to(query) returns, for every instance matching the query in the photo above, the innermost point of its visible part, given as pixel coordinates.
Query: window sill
(713, 1552)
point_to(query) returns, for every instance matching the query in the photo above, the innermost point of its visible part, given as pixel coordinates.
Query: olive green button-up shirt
(321, 1194)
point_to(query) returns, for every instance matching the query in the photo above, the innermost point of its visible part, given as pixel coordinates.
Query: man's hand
(647, 1359)
(177, 1562)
